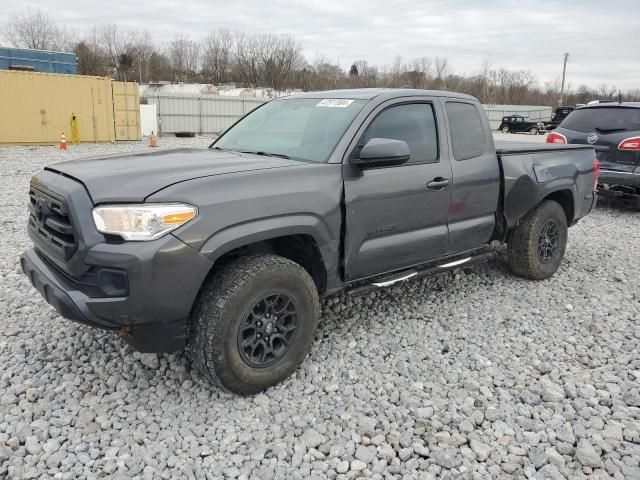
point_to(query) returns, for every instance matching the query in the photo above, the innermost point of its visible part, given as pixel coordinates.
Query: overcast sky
(603, 37)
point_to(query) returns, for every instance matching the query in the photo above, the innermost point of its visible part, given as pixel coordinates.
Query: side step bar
(413, 273)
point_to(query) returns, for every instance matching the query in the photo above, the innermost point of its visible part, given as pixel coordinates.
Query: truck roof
(383, 93)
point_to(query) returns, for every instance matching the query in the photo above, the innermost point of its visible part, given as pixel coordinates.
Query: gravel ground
(473, 374)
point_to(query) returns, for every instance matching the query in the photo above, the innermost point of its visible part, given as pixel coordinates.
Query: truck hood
(132, 177)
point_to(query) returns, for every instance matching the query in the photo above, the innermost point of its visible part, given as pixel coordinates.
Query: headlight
(144, 221)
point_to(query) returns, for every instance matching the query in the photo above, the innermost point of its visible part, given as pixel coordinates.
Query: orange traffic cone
(152, 140)
(63, 142)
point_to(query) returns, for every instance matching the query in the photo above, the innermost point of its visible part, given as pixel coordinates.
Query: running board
(414, 273)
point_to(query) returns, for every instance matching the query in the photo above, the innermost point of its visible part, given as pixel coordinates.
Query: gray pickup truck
(225, 251)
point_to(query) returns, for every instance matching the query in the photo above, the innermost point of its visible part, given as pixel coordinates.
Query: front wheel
(534, 131)
(254, 323)
(536, 245)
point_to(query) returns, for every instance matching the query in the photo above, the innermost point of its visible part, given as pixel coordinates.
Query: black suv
(558, 116)
(561, 113)
(520, 123)
(614, 131)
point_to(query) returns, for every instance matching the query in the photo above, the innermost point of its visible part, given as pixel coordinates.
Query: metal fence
(208, 114)
(199, 114)
(535, 113)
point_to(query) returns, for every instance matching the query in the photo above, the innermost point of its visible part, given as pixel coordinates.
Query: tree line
(225, 57)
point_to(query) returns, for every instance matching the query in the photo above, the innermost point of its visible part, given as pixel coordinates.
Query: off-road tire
(224, 303)
(523, 242)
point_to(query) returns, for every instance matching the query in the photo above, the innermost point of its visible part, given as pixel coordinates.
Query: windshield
(298, 128)
(603, 119)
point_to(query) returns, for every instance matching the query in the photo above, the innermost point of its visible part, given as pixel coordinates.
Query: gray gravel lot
(474, 374)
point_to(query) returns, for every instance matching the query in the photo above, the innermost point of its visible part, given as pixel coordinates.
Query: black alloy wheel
(548, 241)
(267, 331)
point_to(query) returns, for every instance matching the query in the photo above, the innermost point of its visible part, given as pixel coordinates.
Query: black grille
(50, 223)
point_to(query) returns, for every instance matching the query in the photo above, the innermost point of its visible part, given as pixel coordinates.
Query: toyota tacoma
(225, 251)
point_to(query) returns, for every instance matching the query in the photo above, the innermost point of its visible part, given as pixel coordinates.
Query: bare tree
(114, 44)
(633, 95)
(92, 59)
(605, 92)
(217, 56)
(519, 84)
(279, 56)
(31, 29)
(441, 66)
(484, 90)
(367, 75)
(141, 48)
(320, 75)
(184, 55)
(247, 61)
(159, 67)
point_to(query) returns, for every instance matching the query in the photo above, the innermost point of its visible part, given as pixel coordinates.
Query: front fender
(246, 233)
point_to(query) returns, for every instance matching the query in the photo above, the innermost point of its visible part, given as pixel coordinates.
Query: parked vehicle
(520, 124)
(557, 117)
(225, 251)
(614, 131)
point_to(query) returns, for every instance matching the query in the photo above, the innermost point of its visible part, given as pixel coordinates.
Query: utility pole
(564, 73)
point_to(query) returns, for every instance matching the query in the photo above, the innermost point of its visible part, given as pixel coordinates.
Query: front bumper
(68, 303)
(164, 277)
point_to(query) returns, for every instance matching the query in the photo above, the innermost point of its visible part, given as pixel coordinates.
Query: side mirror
(383, 152)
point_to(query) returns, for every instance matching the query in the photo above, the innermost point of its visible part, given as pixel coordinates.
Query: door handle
(438, 183)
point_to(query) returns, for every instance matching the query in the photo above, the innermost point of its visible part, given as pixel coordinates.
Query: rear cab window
(467, 130)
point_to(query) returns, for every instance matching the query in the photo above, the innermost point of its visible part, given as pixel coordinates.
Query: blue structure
(38, 61)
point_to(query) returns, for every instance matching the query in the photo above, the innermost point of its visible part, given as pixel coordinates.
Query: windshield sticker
(335, 103)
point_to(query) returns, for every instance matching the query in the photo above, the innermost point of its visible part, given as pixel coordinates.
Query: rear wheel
(534, 131)
(254, 323)
(536, 245)
(505, 129)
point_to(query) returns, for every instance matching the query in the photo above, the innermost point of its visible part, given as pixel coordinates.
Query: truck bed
(532, 171)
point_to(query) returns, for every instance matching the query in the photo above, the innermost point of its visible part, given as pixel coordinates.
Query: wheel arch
(301, 248)
(565, 198)
(304, 239)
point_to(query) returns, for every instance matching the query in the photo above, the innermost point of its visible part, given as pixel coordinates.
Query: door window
(413, 123)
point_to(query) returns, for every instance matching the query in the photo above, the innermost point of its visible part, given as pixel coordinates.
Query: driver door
(396, 217)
